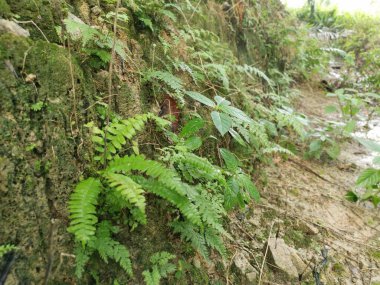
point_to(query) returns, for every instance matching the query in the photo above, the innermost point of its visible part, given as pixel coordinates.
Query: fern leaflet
(82, 208)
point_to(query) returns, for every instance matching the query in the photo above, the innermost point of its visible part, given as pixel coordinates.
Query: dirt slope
(304, 204)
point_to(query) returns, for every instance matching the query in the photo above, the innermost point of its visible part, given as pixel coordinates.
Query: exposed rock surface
(12, 27)
(285, 258)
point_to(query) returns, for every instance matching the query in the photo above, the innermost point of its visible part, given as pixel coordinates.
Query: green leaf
(192, 127)
(333, 151)
(200, 98)
(351, 196)
(82, 208)
(237, 113)
(230, 159)
(350, 126)
(246, 183)
(222, 122)
(315, 146)
(369, 144)
(193, 143)
(330, 109)
(222, 101)
(369, 177)
(237, 137)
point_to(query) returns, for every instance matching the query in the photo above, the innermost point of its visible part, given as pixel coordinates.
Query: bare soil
(304, 203)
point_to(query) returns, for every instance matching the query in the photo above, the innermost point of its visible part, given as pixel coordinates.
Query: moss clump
(338, 268)
(44, 13)
(5, 10)
(297, 238)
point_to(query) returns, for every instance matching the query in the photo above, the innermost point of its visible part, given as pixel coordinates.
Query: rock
(12, 27)
(242, 264)
(251, 277)
(285, 258)
(197, 263)
(75, 33)
(96, 11)
(308, 228)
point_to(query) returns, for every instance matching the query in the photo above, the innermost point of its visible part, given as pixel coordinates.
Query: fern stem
(110, 80)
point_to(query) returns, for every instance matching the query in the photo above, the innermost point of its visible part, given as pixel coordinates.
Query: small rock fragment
(7, 26)
(285, 258)
(242, 263)
(30, 78)
(251, 277)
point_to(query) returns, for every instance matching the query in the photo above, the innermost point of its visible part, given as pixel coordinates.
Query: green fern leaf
(189, 233)
(82, 208)
(129, 190)
(169, 79)
(4, 249)
(183, 203)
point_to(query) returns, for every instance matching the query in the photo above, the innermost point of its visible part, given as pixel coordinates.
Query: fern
(87, 34)
(195, 167)
(109, 248)
(82, 208)
(183, 203)
(151, 168)
(161, 267)
(5, 248)
(106, 247)
(169, 79)
(118, 132)
(130, 191)
(248, 70)
(82, 257)
(191, 234)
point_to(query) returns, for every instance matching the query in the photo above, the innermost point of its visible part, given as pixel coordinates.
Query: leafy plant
(161, 267)
(94, 42)
(5, 248)
(126, 179)
(369, 179)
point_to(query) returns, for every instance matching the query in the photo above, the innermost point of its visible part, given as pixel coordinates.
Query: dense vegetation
(132, 128)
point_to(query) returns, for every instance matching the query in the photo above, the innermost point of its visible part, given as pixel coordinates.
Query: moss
(5, 10)
(297, 238)
(338, 268)
(39, 178)
(44, 13)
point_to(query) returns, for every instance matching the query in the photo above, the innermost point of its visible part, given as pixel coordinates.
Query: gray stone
(242, 264)
(12, 27)
(251, 277)
(285, 258)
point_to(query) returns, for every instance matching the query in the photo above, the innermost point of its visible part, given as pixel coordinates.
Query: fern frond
(5, 248)
(152, 277)
(109, 248)
(369, 177)
(151, 168)
(183, 203)
(82, 256)
(82, 208)
(248, 70)
(169, 79)
(198, 167)
(210, 209)
(189, 233)
(130, 191)
(118, 132)
(214, 241)
(161, 268)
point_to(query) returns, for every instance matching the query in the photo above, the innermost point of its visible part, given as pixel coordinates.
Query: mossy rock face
(45, 14)
(41, 155)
